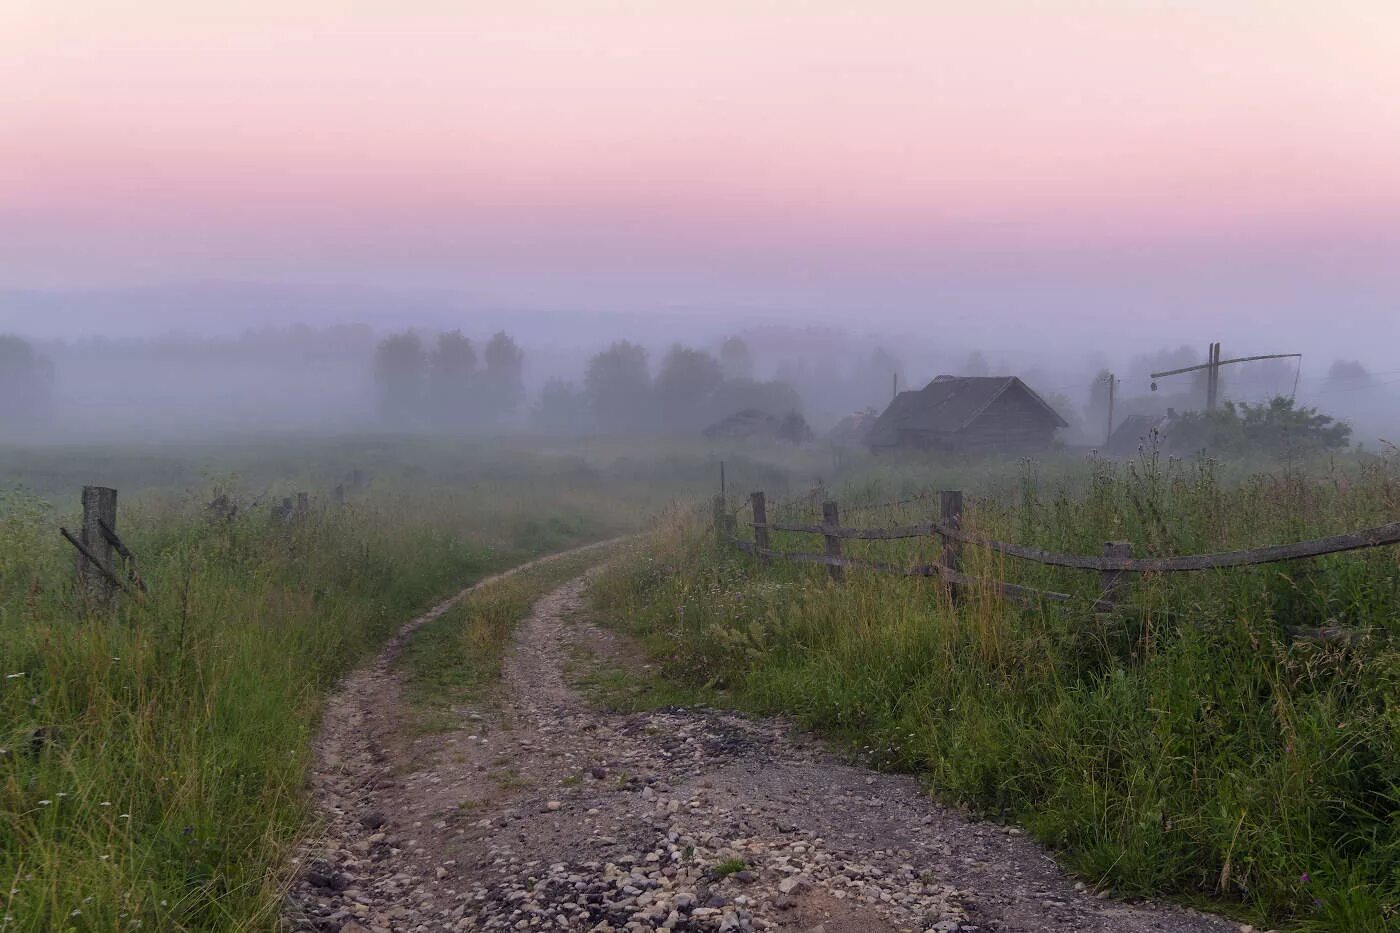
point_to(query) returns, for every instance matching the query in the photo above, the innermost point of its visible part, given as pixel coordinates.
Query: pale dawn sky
(709, 152)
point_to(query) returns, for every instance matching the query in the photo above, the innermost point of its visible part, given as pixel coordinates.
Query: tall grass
(153, 759)
(1188, 746)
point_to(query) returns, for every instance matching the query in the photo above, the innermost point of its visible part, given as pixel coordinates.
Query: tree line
(26, 385)
(445, 383)
(690, 390)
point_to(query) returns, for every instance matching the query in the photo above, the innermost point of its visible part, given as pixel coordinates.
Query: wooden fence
(98, 546)
(1114, 566)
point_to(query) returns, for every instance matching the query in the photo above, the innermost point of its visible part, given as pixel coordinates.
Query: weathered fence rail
(1334, 544)
(1113, 566)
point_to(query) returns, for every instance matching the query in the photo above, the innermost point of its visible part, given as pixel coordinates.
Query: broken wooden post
(93, 562)
(831, 519)
(719, 518)
(760, 527)
(950, 507)
(1112, 581)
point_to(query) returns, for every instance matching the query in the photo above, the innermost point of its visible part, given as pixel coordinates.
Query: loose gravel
(538, 812)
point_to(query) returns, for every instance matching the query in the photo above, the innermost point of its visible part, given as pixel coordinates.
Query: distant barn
(974, 414)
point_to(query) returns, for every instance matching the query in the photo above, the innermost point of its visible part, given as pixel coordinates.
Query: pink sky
(671, 145)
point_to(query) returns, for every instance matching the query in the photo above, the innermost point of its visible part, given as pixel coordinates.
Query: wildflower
(45, 803)
(105, 803)
(1304, 878)
(76, 912)
(14, 675)
(123, 816)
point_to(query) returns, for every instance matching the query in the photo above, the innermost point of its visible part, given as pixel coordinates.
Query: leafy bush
(1275, 428)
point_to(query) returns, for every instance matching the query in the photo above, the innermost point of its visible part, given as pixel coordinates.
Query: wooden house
(973, 414)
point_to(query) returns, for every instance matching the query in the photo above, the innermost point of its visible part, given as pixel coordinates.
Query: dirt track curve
(538, 812)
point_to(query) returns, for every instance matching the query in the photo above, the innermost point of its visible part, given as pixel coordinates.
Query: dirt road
(538, 812)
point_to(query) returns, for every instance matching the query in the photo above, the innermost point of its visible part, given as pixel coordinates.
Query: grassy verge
(457, 657)
(153, 759)
(1188, 747)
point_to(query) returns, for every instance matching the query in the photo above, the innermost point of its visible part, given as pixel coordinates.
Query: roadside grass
(613, 688)
(1187, 747)
(456, 658)
(153, 759)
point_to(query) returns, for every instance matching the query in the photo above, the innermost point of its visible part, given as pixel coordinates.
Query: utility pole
(1212, 367)
(1213, 378)
(894, 386)
(1112, 385)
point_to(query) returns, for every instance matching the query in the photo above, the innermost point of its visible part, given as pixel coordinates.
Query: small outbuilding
(972, 414)
(752, 424)
(852, 430)
(1139, 432)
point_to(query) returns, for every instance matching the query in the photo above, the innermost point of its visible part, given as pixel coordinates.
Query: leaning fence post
(719, 518)
(760, 527)
(1112, 581)
(832, 520)
(97, 582)
(950, 506)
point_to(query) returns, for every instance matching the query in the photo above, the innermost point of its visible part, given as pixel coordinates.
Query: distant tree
(976, 365)
(1096, 412)
(503, 382)
(26, 384)
(792, 427)
(684, 385)
(734, 356)
(618, 387)
(876, 381)
(734, 395)
(1064, 406)
(1348, 371)
(1275, 427)
(563, 409)
(452, 368)
(400, 364)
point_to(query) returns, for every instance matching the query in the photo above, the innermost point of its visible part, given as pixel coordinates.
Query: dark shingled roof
(947, 405)
(1133, 432)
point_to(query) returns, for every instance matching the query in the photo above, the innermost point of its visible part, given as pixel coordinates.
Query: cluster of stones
(694, 878)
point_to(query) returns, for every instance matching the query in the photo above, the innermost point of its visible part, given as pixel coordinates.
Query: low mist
(782, 378)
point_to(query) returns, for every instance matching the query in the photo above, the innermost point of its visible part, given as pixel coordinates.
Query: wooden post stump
(831, 518)
(1112, 582)
(719, 518)
(760, 527)
(93, 563)
(950, 507)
